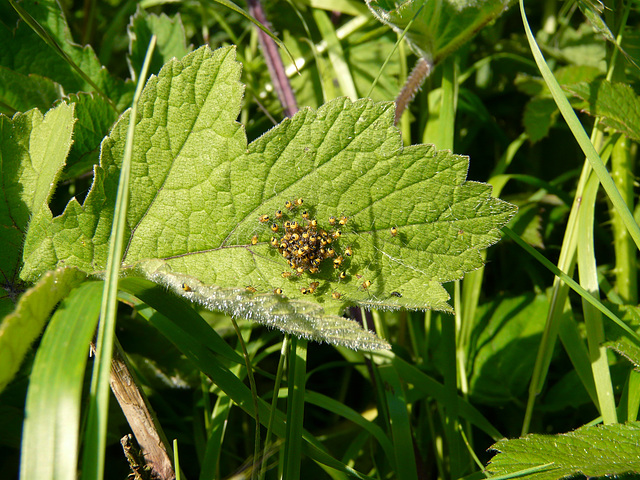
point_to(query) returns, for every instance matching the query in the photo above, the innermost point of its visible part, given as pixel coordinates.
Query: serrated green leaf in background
(616, 104)
(19, 93)
(198, 191)
(94, 119)
(507, 335)
(592, 451)
(25, 52)
(171, 40)
(33, 150)
(20, 328)
(440, 27)
(539, 115)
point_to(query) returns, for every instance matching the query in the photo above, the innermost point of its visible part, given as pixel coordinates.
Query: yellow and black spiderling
(394, 231)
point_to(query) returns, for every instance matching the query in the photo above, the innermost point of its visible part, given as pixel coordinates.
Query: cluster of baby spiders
(305, 245)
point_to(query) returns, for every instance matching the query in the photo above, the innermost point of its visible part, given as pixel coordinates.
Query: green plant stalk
(176, 459)
(592, 317)
(626, 270)
(405, 121)
(295, 408)
(633, 396)
(581, 137)
(96, 431)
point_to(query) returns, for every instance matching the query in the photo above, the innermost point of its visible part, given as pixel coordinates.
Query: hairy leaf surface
(411, 220)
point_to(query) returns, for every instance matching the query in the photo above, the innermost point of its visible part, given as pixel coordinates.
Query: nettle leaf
(616, 104)
(94, 120)
(171, 40)
(33, 149)
(592, 451)
(19, 93)
(198, 192)
(438, 28)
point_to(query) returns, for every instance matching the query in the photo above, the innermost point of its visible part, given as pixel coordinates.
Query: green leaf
(50, 440)
(171, 40)
(508, 334)
(539, 116)
(94, 120)
(197, 195)
(440, 27)
(19, 93)
(619, 340)
(25, 52)
(33, 149)
(581, 46)
(19, 329)
(592, 451)
(616, 104)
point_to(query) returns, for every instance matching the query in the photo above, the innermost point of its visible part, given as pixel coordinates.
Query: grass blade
(96, 432)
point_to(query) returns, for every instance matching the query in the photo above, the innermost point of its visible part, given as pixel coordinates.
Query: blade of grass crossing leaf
(50, 444)
(295, 408)
(593, 319)
(336, 54)
(577, 288)
(400, 425)
(96, 431)
(580, 135)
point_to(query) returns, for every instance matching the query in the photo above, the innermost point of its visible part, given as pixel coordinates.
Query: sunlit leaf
(410, 219)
